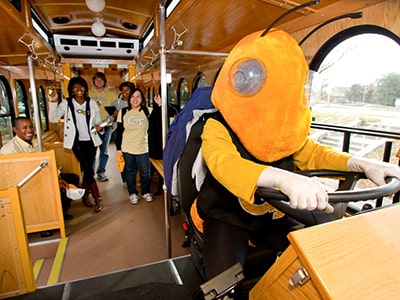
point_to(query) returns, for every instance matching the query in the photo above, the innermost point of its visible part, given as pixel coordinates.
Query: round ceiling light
(96, 5)
(98, 28)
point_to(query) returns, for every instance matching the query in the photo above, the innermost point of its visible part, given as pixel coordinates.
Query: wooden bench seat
(51, 136)
(66, 160)
(158, 165)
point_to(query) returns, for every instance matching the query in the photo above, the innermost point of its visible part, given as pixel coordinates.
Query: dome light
(98, 28)
(96, 5)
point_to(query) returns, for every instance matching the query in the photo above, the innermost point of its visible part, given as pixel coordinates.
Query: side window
(43, 109)
(182, 92)
(171, 93)
(6, 111)
(199, 80)
(22, 99)
(360, 72)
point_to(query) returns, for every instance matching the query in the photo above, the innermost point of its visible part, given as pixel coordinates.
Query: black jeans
(85, 152)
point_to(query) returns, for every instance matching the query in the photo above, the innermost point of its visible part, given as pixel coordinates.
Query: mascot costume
(257, 137)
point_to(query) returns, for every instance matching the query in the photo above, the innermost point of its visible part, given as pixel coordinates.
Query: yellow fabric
(314, 156)
(274, 122)
(120, 162)
(236, 174)
(240, 175)
(197, 221)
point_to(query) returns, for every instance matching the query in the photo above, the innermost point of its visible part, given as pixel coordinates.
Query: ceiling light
(98, 28)
(96, 5)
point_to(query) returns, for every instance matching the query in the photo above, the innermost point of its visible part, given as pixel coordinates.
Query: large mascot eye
(247, 76)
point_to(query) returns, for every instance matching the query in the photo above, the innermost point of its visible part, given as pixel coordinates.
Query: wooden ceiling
(202, 25)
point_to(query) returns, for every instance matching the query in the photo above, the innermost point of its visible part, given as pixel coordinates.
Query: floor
(169, 279)
(121, 237)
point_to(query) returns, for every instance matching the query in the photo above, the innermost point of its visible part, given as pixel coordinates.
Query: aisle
(121, 236)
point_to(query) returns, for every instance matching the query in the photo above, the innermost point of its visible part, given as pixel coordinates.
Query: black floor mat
(148, 291)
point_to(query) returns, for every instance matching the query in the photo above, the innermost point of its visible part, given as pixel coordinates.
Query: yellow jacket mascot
(258, 137)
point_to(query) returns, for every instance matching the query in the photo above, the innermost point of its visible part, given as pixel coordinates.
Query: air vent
(91, 47)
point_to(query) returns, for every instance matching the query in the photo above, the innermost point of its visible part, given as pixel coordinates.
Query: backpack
(196, 111)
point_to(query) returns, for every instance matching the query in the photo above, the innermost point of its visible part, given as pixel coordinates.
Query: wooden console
(353, 258)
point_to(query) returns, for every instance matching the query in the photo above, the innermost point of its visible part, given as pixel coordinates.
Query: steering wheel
(338, 198)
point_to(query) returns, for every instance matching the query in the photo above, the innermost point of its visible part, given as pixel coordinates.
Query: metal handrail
(43, 164)
(351, 130)
(348, 131)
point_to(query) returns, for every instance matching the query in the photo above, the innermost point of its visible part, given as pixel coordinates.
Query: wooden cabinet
(16, 273)
(352, 258)
(40, 195)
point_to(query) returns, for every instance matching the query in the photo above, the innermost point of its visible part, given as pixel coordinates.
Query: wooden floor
(122, 236)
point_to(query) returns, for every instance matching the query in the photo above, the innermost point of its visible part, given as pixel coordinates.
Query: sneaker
(102, 177)
(133, 199)
(148, 197)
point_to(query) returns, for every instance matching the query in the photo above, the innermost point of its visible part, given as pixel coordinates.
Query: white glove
(376, 171)
(304, 192)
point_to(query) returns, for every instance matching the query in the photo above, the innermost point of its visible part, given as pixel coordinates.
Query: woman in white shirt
(81, 132)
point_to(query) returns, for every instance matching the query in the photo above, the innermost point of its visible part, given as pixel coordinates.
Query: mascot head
(261, 92)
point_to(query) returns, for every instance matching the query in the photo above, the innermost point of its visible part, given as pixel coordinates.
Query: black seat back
(187, 190)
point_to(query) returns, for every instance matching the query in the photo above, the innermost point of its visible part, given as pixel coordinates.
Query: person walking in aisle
(132, 141)
(103, 96)
(81, 132)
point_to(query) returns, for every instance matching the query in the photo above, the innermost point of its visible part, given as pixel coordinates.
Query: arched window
(43, 110)
(171, 93)
(22, 99)
(360, 75)
(199, 80)
(7, 113)
(182, 92)
(360, 72)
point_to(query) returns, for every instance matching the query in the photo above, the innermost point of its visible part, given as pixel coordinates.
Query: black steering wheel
(338, 198)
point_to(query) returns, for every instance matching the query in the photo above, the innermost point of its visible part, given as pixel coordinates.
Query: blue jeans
(103, 156)
(133, 163)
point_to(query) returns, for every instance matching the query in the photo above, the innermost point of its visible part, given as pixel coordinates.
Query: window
(170, 93)
(22, 99)
(6, 111)
(360, 71)
(183, 92)
(199, 80)
(43, 109)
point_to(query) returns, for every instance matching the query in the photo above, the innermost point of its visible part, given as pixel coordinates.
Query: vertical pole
(35, 102)
(164, 120)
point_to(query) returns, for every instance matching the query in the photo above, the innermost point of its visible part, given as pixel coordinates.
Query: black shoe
(46, 233)
(68, 216)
